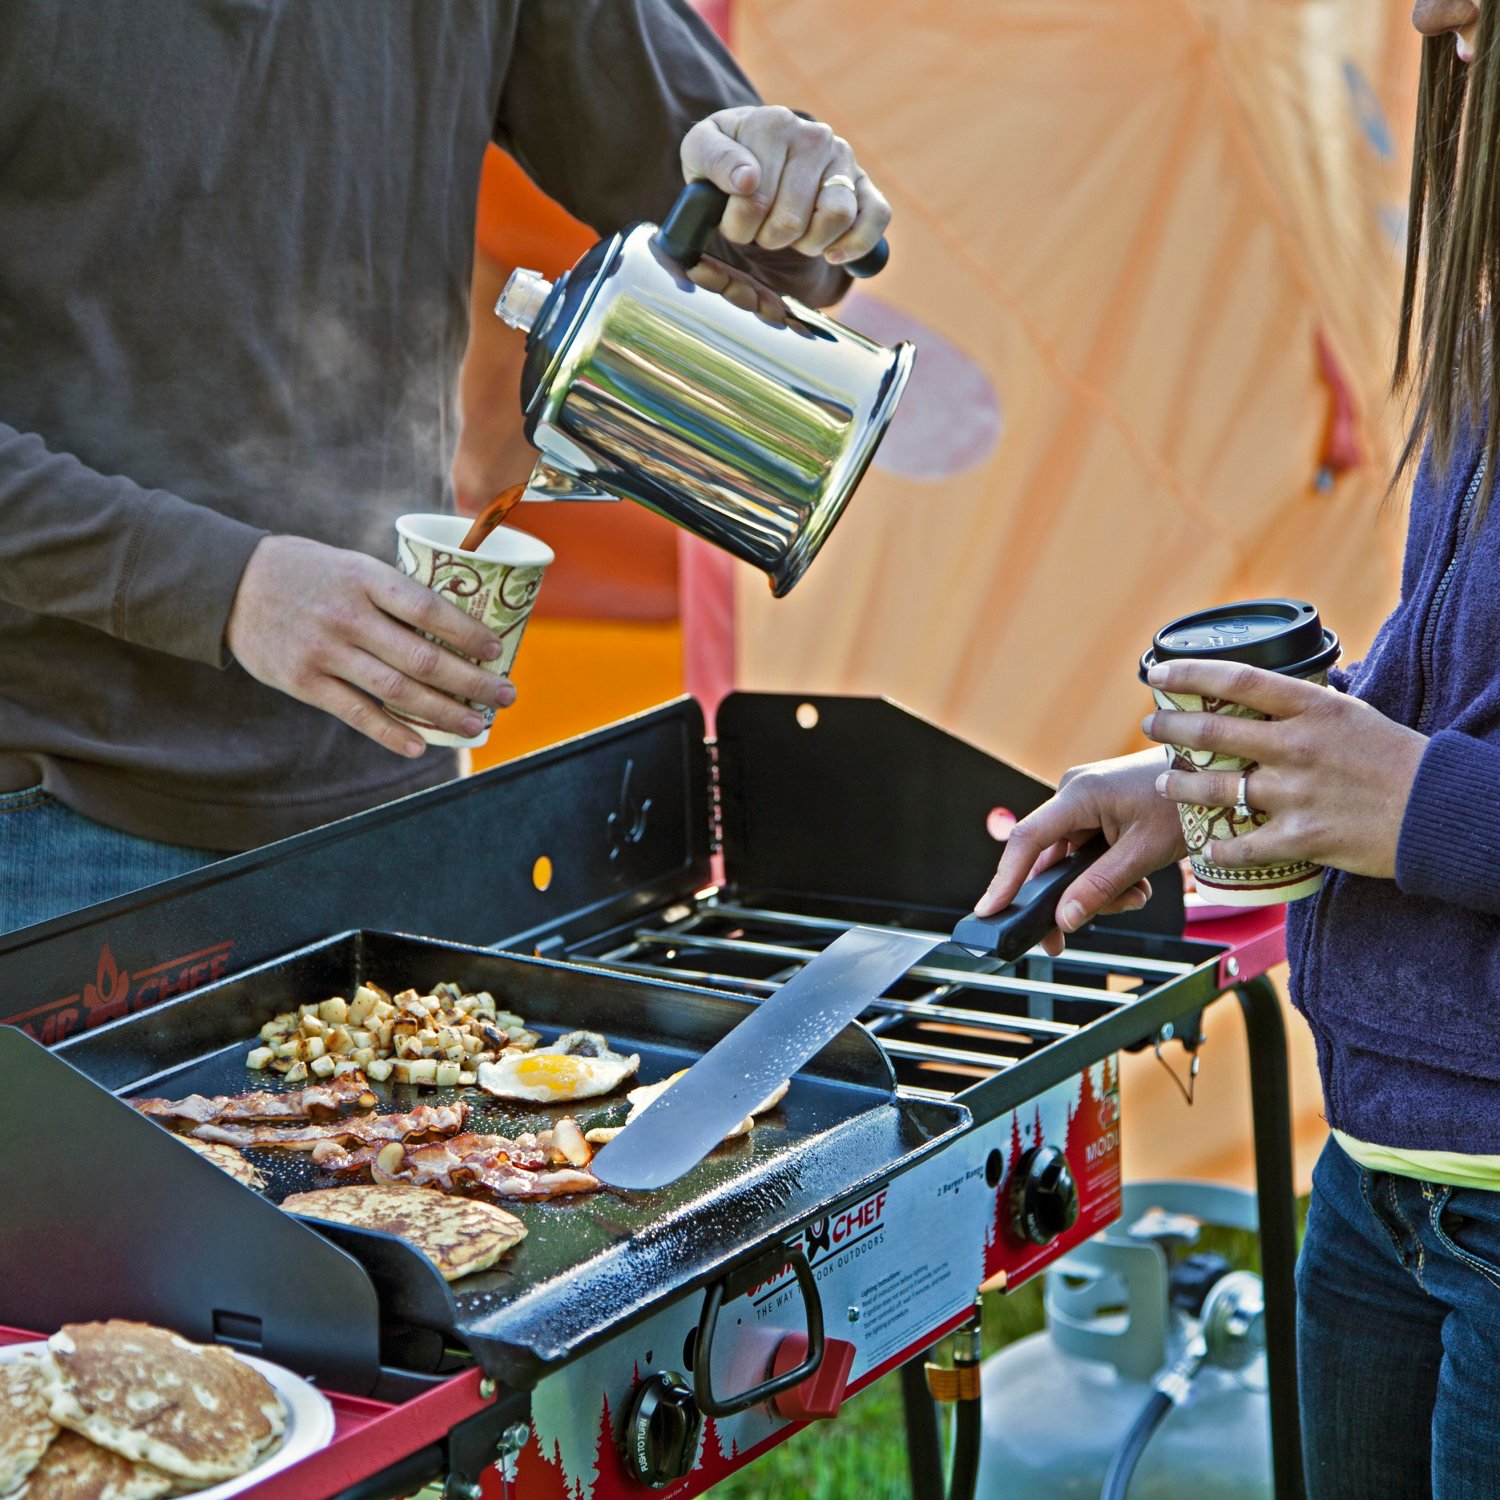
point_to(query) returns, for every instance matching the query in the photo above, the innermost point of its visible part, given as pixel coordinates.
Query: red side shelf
(368, 1436)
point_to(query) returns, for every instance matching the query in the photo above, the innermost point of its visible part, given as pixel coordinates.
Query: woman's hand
(1115, 797)
(792, 183)
(1334, 774)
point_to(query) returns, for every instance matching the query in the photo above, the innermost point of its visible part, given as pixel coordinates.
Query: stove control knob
(1043, 1196)
(661, 1433)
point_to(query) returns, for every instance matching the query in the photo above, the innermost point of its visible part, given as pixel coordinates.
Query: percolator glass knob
(521, 302)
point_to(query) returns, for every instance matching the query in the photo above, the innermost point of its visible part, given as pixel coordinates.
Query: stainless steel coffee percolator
(749, 429)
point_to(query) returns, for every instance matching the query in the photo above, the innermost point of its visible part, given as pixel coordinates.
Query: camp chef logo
(838, 1237)
(115, 991)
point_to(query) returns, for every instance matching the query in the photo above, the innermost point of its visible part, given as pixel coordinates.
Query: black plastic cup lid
(1280, 635)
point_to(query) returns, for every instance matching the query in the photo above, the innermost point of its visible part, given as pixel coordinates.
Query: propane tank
(1129, 1312)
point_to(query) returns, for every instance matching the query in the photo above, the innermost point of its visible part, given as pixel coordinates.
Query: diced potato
(467, 1080)
(270, 1032)
(427, 1036)
(307, 1010)
(340, 1040)
(455, 1054)
(404, 997)
(345, 1065)
(401, 1072)
(362, 1057)
(334, 1012)
(422, 1071)
(361, 1037)
(378, 1070)
(285, 1049)
(473, 1043)
(322, 1067)
(311, 1026)
(446, 1075)
(260, 1057)
(297, 1073)
(315, 1046)
(363, 1003)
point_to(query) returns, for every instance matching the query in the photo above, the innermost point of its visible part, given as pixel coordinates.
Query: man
(235, 246)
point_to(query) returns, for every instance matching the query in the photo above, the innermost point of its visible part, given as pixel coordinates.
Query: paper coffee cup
(1280, 636)
(497, 585)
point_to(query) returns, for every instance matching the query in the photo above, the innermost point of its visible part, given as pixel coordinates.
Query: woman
(1391, 778)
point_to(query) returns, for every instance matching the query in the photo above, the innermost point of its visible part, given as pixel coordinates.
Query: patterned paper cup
(1258, 885)
(498, 584)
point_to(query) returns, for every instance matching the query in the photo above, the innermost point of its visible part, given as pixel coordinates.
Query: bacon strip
(340, 1096)
(425, 1120)
(546, 1165)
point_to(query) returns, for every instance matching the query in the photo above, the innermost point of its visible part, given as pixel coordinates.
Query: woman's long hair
(1453, 253)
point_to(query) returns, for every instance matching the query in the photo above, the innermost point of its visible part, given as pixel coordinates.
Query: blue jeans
(54, 860)
(1398, 1337)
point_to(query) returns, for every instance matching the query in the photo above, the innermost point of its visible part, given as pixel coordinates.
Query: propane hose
(959, 1385)
(1231, 1333)
(1128, 1454)
(968, 1429)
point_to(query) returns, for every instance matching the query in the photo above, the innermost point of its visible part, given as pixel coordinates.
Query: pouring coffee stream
(492, 516)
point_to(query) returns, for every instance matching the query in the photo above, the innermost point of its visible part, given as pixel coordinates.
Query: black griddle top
(591, 1263)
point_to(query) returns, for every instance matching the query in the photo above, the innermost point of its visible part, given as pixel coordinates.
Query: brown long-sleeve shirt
(235, 246)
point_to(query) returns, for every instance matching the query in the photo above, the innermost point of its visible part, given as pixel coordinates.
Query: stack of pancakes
(125, 1411)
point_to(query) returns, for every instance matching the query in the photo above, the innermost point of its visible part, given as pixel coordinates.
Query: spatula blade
(682, 1125)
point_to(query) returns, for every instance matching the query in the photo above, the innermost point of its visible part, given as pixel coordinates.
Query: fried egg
(640, 1097)
(579, 1065)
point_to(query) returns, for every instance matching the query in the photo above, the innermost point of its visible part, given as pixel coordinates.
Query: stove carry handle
(713, 1299)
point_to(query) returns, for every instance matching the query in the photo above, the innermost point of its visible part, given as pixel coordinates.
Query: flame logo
(104, 999)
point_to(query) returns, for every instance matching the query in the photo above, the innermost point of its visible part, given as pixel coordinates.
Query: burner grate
(952, 1022)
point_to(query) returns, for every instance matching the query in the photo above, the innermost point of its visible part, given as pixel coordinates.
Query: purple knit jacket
(1400, 979)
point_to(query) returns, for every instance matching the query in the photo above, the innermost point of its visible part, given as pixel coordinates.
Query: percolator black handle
(685, 232)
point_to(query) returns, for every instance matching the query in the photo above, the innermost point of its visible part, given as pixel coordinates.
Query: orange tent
(1148, 251)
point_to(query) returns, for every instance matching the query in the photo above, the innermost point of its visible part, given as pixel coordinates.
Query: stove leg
(924, 1444)
(1270, 1103)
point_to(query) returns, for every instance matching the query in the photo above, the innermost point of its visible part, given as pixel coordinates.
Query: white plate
(309, 1421)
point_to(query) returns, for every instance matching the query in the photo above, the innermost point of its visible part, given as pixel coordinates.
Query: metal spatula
(683, 1124)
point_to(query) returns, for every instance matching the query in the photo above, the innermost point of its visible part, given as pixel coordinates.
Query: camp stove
(652, 883)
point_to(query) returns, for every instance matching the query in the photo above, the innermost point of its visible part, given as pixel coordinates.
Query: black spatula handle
(1033, 914)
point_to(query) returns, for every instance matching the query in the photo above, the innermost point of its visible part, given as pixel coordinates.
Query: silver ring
(839, 179)
(1242, 808)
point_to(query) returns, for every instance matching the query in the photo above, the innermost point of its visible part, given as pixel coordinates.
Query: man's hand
(776, 168)
(339, 630)
(1115, 797)
(1334, 774)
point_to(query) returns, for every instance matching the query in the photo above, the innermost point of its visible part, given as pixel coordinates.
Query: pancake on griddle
(194, 1410)
(25, 1427)
(458, 1235)
(227, 1158)
(75, 1469)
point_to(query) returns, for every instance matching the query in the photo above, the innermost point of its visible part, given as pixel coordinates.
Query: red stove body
(1056, 1163)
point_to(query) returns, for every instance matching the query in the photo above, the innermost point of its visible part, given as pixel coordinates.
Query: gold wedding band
(839, 179)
